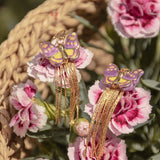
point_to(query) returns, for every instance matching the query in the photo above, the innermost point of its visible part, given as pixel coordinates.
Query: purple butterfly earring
(116, 82)
(62, 54)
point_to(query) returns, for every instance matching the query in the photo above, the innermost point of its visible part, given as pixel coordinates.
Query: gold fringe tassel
(100, 120)
(57, 95)
(74, 97)
(67, 70)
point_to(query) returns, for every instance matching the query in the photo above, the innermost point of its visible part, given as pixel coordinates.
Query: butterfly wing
(51, 53)
(110, 74)
(138, 74)
(130, 79)
(125, 82)
(72, 46)
(123, 79)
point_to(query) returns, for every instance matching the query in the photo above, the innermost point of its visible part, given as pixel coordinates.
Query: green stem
(152, 70)
(86, 23)
(95, 46)
(156, 60)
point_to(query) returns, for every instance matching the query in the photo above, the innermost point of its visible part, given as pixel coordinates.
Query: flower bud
(81, 127)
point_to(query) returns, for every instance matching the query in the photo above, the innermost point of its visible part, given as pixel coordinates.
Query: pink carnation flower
(114, 148)
(41, 68)
(30, 116)
(135, 18)
(132, 109)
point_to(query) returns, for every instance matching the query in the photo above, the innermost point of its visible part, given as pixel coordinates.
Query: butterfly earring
(62, 53)
(116, 82)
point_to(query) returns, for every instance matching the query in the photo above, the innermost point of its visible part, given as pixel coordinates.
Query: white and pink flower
(135, 18)
(114, 148)
(29, 116)
(22, 95)
(41, 68)
(132, 109)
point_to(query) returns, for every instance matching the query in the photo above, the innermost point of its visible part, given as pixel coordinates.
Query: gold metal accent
(67, 68)
(120, 75)
(100, 120)
(74, 95)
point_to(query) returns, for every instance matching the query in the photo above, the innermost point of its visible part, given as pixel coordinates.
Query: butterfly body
(57, 53)
(122, 79)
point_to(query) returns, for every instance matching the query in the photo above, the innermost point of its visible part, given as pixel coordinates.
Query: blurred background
(12, 11)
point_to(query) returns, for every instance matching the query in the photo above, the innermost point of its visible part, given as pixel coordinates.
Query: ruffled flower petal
(89, 109)
(151, 26)
(134, 29)
(20, 123)
(38, 116)
(135, 19)
(94, 92)
(114, 149)
(30, 89)
(40, 68)
(23, 98)
(132, 109)
(20, 129)
(120, 124)
(84, 59)
(127, 20)
(17, 105)
(22, 94)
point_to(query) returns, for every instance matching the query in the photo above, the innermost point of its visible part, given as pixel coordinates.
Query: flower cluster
(29, 116)
(114, 148)
(135, 18)
(132, 109)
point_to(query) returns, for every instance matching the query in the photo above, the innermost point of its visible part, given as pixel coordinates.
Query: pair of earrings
(62, 54)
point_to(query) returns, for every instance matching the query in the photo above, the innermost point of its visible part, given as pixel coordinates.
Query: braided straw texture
(22, 44)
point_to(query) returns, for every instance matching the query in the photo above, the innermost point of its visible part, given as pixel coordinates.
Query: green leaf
(83, 93)
(72, 137)
(152, 117)
(155, 157)
(137, 157)
(151, 84)
(86, 23)
(138, 146)
(57, 134)
(34, 158)
(97, 47)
